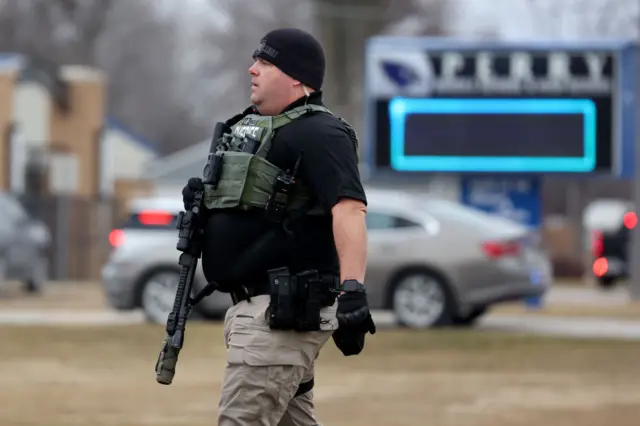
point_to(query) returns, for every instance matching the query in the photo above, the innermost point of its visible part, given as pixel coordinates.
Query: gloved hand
(188, 192)
(349, 342)
(353, 312)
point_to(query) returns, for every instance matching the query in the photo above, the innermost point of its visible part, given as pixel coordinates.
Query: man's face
(270, 88)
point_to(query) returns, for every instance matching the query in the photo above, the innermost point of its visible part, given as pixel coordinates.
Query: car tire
(35, 283)
(3, 270)
(32, 286)
(421, 300)
(607, 282)
(469, 319)
(157, 294)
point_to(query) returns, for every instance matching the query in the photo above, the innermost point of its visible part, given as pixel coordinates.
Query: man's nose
(253, 70)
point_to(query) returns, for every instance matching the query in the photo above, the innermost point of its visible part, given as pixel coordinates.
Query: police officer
(310, 271)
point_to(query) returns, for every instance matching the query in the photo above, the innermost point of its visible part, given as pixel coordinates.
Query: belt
(247, 292)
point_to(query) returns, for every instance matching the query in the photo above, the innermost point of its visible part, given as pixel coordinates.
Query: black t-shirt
(329, 168)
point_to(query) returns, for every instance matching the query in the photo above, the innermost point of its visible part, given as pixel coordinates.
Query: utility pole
(344, 26)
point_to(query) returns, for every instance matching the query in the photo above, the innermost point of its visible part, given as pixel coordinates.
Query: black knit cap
(296, 53)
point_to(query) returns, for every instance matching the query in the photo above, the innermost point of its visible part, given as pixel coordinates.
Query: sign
(515, 198)
(469, 135)
(454, 106)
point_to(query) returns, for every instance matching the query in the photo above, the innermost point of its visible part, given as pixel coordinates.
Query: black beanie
(296, 53)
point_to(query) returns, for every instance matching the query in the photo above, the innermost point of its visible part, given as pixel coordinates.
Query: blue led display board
(499, 135)
(445, 105)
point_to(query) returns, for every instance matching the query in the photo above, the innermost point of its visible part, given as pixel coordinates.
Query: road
(559, 326)
(548, 325)
(564, 326)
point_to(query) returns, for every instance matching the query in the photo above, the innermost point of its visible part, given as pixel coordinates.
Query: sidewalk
(564, 326)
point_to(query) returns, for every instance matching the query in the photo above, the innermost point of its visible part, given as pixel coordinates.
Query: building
(70, 163)
(170, 173)
(57, 115)
(51, 115)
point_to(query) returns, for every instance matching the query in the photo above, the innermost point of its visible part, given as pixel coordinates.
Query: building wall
(75, 134)
(127, 157)
(32, 106)
(70, 139)
(32, 121)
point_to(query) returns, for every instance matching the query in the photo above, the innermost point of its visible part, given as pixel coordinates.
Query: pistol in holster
(296, 299)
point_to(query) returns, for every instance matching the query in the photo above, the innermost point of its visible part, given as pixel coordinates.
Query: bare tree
(61, 30)
(137, 51)
(218, 38)
(127, 39)
(174, 68)
(417, 18)
(544, 19)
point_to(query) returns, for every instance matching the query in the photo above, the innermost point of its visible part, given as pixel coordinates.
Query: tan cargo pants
(265, 367)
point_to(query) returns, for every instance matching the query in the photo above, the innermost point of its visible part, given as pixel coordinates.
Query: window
(386, 221)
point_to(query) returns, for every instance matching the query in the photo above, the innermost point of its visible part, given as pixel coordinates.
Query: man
(270, 365)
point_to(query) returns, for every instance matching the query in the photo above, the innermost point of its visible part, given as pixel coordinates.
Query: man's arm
(330, 168)
(350, 235)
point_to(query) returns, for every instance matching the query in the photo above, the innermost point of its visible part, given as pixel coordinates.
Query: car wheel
(158, 294)
(3, 269)
(421, 300)
(32, 286)
(607, 282)
(469, 319)
(35, 283)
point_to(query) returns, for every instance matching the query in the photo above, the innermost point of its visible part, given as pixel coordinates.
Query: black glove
(348, 341)
(188, 192)
(353, 312)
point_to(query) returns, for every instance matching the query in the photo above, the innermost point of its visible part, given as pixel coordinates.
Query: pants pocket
(255, 391)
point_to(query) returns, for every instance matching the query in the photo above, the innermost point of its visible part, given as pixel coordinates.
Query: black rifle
(190, 229)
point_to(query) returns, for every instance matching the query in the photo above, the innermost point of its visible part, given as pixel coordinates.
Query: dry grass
(72, 296)
(104, 376)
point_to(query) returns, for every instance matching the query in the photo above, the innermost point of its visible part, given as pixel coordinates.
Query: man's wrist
(351, 286)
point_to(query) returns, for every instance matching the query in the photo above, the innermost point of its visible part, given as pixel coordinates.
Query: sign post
(515, 198)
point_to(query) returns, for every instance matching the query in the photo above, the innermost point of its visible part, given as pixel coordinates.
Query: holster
(296, 300)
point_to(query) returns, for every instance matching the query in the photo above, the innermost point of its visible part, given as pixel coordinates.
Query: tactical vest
(247, 179)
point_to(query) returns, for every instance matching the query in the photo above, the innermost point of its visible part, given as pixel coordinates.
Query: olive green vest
(247, 180)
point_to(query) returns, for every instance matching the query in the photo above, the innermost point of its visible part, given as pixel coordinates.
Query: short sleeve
(329, 164)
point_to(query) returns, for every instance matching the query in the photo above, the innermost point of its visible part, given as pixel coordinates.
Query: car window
(376, 220)
(457, 212)
(11, 210)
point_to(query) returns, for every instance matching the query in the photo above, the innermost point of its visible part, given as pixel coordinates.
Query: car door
(16, 252)
(392, 240)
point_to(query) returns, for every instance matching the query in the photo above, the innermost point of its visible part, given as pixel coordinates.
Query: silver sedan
(431, 262)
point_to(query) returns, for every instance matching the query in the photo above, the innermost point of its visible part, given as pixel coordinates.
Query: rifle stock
(190, 227)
